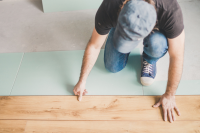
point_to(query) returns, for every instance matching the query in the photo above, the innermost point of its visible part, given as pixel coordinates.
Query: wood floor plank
(112, 127)
(12, 126)
(93, 108)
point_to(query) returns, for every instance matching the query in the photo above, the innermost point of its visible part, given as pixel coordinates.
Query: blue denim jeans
(155, 47)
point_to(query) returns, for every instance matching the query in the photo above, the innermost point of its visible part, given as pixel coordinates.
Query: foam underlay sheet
(69, 5)
(9, 65)
(186, 87)
(57, 72)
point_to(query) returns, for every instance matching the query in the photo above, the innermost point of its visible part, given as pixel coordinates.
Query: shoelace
(147, 67)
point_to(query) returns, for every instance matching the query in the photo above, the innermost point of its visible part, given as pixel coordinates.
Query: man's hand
(168, 104)
(80, 90)
(176, 53)
(90, 56)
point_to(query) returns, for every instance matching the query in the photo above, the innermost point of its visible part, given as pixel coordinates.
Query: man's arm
(90, 56)
(176, 53)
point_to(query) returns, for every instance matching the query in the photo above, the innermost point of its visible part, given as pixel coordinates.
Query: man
(158, 23)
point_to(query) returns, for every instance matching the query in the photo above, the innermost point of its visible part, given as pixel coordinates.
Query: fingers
(173, 115)
(177, 110)
(85, 92)
(165, 114)
(80, 96)
(157, 104)
(169, 115)
(75, 93)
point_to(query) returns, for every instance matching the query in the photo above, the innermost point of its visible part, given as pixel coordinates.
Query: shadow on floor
(70, 88)
(37, 4)
(134, 61)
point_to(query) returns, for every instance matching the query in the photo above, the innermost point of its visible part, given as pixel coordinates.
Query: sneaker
(148, 73)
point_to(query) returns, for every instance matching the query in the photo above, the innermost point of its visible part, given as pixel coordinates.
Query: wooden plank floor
(105, 114)
(12, 126)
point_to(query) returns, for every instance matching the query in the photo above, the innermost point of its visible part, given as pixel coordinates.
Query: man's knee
(157, 44)
(112, 68)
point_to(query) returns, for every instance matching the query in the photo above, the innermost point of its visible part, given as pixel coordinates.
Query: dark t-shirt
(169, 17)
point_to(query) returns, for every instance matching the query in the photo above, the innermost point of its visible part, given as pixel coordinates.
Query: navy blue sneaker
(148, 73)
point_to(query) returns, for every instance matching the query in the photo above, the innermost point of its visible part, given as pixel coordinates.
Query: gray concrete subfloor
(25, 28)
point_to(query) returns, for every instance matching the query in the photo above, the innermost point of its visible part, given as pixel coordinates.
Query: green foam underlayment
(56, 73)
(9, 65)
(186, 87)
(69, 5)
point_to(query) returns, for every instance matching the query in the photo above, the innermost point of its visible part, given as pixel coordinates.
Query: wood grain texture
(12, 126)
(112, 127)
(93, 108)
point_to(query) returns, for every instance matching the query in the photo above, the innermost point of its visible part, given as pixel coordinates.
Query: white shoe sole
(146, 81)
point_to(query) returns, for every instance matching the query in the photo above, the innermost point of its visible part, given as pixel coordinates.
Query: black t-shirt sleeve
(173, 22)
(102, 20)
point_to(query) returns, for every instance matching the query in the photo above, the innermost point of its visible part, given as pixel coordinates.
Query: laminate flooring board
(112, 127)
(94, 108)
(12, 126)
(57, 72)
